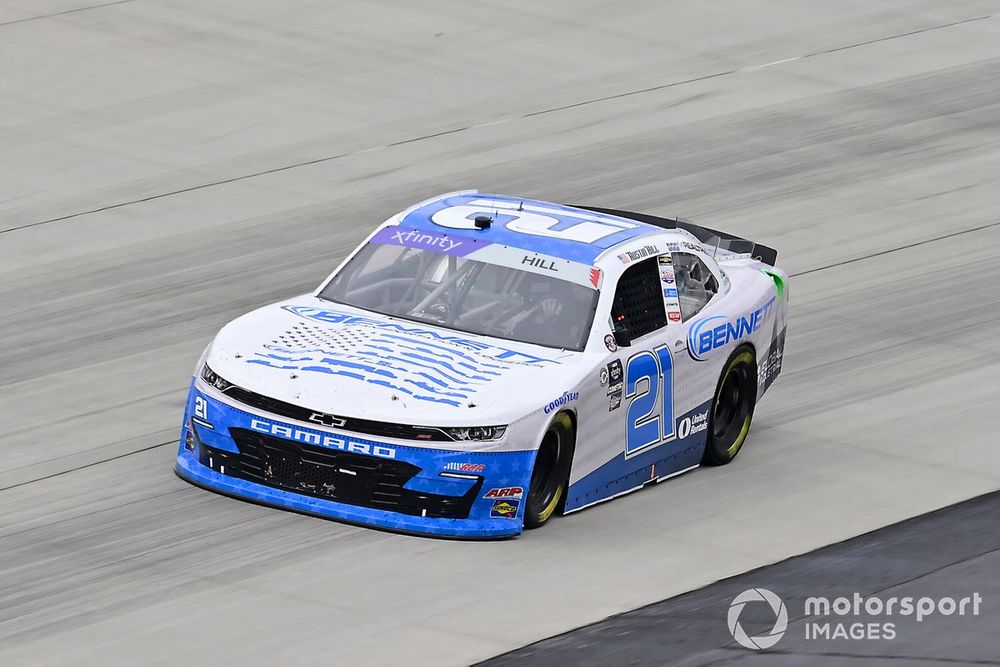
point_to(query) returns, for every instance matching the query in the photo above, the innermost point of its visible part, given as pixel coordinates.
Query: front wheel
(732, 408)
(551, 472)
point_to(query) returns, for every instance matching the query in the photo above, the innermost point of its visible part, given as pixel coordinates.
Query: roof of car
(561, 231)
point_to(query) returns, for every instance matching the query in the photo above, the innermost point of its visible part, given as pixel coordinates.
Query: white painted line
(754, 68)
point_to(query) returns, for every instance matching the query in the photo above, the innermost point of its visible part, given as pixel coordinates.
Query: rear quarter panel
(749, 311)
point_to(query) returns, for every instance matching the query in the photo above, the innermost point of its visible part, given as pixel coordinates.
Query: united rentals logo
(768, 639)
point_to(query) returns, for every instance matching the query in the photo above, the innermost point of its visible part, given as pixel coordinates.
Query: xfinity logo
(415, 238)
(322, 439)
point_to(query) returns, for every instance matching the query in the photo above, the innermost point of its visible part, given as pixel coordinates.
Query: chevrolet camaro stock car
(482, 362)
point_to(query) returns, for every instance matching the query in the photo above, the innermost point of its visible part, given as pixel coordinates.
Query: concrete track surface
(168, 164)
(692, 630)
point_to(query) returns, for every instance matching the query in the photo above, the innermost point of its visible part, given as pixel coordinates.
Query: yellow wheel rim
(551, 507)
(743, 357)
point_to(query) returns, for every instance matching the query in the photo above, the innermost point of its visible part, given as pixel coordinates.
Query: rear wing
(711, 237)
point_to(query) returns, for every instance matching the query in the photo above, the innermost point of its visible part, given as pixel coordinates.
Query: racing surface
(166, 166)
(692, 629)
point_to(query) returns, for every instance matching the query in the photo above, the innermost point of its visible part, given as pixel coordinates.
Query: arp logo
(505, 492)
(505, 509)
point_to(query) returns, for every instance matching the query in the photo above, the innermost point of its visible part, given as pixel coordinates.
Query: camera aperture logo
(768, 639)
(857, 617)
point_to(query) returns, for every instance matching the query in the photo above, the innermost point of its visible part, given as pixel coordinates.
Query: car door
(646, 308)
(696, 295)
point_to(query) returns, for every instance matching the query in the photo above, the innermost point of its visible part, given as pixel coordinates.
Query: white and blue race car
(482, 362)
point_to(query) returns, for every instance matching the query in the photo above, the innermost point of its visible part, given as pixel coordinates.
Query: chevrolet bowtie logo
(327, 420)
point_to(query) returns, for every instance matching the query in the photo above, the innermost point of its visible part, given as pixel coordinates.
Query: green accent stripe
(779, 281)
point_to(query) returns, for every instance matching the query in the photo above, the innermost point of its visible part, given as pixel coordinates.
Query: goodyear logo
(567, 397)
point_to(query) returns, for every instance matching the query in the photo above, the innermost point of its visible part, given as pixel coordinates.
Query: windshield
(465, 294)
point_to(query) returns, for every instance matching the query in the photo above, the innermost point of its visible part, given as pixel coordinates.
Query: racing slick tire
(550, 473)
(732, 408)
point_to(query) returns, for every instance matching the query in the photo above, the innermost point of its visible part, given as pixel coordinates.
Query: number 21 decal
(650, 417)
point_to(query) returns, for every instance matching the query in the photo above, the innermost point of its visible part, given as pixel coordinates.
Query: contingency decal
(769, 367)
(505, 492)
(505, 509)
(613, 371)
(668, 284)
(567, 397)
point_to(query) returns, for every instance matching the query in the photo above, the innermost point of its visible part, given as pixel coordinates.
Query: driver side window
(638, 303)
(695, 284)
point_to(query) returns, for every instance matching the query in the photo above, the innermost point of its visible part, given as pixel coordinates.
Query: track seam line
(87, 465)
(457, 130)
(28, 19)
(891, 250)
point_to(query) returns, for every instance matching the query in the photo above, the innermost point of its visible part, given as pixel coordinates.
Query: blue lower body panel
(450, 493)
(623, 474)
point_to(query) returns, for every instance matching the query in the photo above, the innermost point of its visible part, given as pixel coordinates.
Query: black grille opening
(345, 477)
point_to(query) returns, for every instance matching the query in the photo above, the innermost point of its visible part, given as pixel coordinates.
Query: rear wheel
(732, 408)
(551, 472)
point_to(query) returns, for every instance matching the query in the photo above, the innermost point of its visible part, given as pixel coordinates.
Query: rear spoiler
(712, 237)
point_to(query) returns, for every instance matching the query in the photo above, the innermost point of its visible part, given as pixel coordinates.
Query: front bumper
(355, 479)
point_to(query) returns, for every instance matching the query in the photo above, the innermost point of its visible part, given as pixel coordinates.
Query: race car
(481, 363)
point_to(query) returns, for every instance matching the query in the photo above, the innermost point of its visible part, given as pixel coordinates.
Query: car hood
(350, 362)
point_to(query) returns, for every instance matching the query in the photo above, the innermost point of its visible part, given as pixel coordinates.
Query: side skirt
(656, 480)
